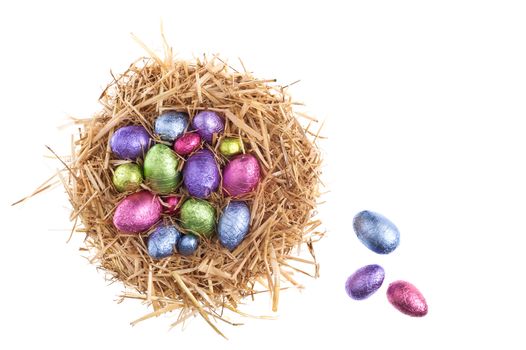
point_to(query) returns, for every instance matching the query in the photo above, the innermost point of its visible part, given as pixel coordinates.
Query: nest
(283, 207)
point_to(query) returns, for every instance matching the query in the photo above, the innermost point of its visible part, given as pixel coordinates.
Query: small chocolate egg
(170, 204)
(407, 299)
(201, 174)
(160, 169)
(234, 224)
(208, 123)
(365, 282)
(241, 175)
(170, 125)
(230, 146)
(187, 244)
(127, 177)
(162, 241)
(376, 232)
(187, 143)
(130, 142)
(198, 216)
(137, 212)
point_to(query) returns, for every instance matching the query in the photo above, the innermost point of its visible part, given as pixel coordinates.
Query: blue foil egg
(162, 241)
(170, 125)
(234, 224)
(365, 281)
(376, 232)
(130, 142)
(187, 244)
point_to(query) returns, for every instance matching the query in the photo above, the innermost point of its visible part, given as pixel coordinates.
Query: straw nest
(282, 208)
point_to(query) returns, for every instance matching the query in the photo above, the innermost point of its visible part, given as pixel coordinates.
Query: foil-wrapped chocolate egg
(127, 177)
(162, 241)
(208, 123)
(407, 299)
(198, 216)
(241, 175)
(234, 224)
(160, 169)
(137, 212)
(187, 244)
(365, 282)
(170, 204)
(170, 125)
(230, 146)
(130, 142)
(187, 143)
(201, 174)
(376, 232)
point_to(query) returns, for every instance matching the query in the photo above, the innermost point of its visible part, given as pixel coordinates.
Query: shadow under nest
(283, 207)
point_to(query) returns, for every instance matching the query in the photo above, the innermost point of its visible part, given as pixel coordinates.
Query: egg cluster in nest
(282, 206)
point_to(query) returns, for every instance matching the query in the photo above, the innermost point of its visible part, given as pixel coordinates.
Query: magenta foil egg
(137, 212)
(170, 204)
(407, 299)
(187, 143)
(241, 175)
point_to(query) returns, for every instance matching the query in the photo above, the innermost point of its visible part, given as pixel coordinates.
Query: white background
(424, 103)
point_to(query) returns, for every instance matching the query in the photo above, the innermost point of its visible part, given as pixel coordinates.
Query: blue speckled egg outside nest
(376, 232)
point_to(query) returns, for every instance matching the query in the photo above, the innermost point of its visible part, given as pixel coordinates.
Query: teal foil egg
(160, 169)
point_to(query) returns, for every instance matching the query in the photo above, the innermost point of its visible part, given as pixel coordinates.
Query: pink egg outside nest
(241, 175)
(171, 203)
(187, 143)
(137, 212)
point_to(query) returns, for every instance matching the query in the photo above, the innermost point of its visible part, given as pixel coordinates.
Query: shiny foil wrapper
(127, 177)
(234, 224)
(187, 244)
(160, 169)
(241, 175)
(365, 281)
(187, 143)
(208, 123)
(201, 174)
(130, 142)
(376, 232)
(198, 216)
(162, 241)
(170, 125)
(230, 146)
(407, 299)
(137, 212)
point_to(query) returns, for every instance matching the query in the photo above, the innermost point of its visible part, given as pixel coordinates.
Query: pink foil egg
(407, 299)
(137, 212)
(187, 143)
(170, 204)
(241, 175)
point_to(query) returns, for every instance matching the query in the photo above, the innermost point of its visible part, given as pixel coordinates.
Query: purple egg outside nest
(201, 174)
(365, 282)
(130, 142)
(208, 123)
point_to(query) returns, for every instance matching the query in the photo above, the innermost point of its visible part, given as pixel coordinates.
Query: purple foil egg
(407, 299)
(187, 143)
(208, 123)
(201, 174)
(365, 282)
(130, 142)
(137, 212)
(241, 175)
(170, 204)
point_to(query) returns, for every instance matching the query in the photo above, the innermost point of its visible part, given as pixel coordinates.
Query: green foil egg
(230, 146)
(160, 169)
(198, 216)
(127, 177)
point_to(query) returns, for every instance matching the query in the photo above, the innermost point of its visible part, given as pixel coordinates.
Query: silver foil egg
(376, 232)
(170, 125)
